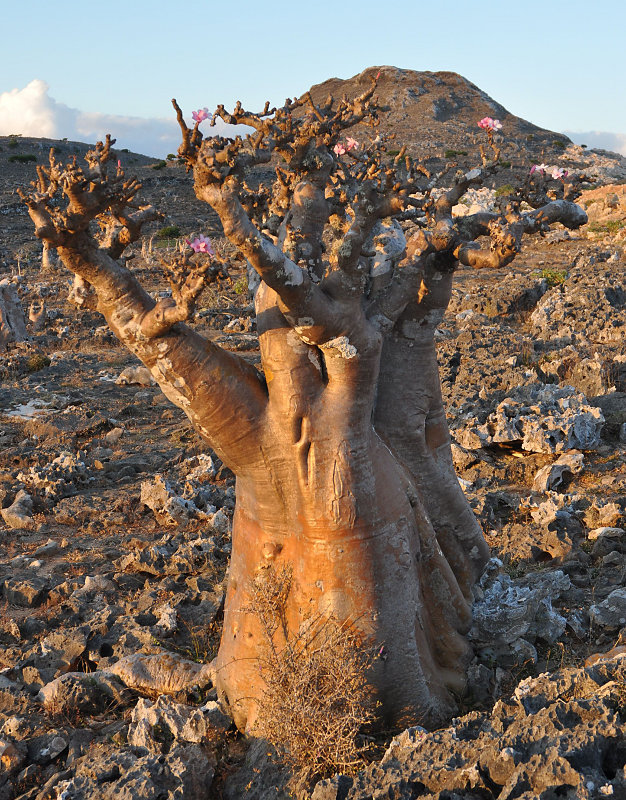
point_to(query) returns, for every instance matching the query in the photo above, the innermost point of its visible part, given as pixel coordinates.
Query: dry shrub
(317, 697)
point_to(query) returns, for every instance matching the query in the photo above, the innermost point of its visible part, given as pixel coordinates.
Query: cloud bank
(32, 112)
(600, 139)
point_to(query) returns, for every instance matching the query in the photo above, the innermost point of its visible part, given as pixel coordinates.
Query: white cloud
(603, 140)
(32, 112)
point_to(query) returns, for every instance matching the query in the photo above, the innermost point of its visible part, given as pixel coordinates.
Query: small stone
(135, 376)
(50, 548)
(52, 749)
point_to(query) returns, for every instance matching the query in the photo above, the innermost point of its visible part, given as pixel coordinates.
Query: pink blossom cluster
(200, 115)
(558, 173)
(201, 244)
(341, 149)
(489, 124)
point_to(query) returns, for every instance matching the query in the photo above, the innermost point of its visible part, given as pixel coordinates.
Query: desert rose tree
(340, 444)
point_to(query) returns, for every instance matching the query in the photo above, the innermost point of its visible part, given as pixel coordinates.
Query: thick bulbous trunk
(363, 553)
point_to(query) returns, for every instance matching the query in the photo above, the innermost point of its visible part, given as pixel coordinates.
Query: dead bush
(317, 697)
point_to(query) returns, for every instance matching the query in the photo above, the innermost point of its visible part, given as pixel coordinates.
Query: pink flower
(543, 168)
(201, 244)
(489, 124)
(341, 149)
(200, 115)
(559, 174)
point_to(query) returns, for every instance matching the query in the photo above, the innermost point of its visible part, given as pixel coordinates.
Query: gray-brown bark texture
(340, 445)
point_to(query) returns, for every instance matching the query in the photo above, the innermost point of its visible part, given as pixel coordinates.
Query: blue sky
(117, 65)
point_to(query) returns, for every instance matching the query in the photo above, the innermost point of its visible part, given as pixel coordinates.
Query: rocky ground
(115, 520)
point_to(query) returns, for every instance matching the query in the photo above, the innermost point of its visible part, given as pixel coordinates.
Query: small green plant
(559, 144)
(158, 165)
(554, 277)
(591, 202)
(37, 362)
(454, 153)
(12, 142)
(612, 226)
(22, 159)
(125, 150)
(169, 232)
(505, 189)
(393, 153)
(505, 164)
(241, 286)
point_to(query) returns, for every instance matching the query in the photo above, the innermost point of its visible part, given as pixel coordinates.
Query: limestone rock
(508, 615)
(64, 476)
(20, 512)
(169, 507)
(79, 692)
(126, 774)
(139, 376)
(164, 673)
(551, 476)
(171, 721)
(29, 592)
(523, 748)
(542, 418)
(611, 613)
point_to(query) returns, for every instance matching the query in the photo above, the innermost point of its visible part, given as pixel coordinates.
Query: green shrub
(170, 157)
(454, 153)
(159, 165)
(241, 286)
(554, 277)
(505, 189)
(169, 232)
(612, 226)
(22, 159)
(12, 142)
(37, 362)
(560, 145)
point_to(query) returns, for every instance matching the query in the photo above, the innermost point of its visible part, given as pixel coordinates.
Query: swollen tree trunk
(12, 322)
(333, 501)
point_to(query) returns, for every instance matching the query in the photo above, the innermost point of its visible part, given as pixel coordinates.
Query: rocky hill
(435, 114)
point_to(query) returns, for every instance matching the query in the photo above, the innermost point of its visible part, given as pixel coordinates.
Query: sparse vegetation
(554, 277)
(22, 158)
(505, 189)
(158, 165)
(168, 232)
(612, 226)
(37, 362)
(454, 153)
(241, 285)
